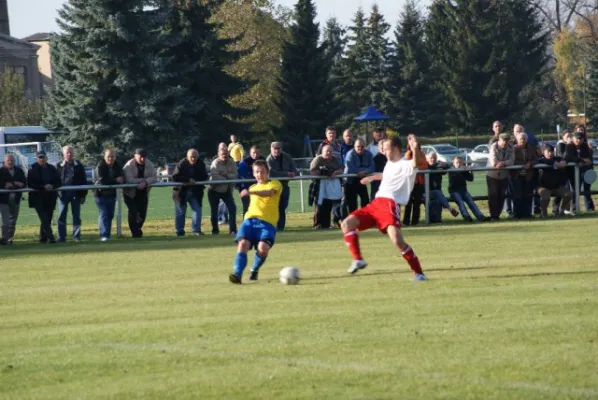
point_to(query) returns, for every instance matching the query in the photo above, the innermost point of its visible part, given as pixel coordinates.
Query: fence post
(577, 207)
(301, 192)
(119, 197)
(427, 196)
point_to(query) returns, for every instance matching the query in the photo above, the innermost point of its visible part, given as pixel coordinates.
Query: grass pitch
(510, 312)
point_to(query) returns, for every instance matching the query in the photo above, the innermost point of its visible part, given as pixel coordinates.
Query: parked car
(479, 155)
(445, 152)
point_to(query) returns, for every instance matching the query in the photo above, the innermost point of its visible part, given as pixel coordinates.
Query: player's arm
(371, 178)
(262, 193)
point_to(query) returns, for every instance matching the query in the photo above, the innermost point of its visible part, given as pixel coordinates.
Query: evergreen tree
(378, 54)
(416, 105)
(136, 73)
(353, 91)
(486, 52)
(335, 41)
(306, 100)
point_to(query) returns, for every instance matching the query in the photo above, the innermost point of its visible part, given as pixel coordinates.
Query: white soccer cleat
(420, 278)
(356, 265)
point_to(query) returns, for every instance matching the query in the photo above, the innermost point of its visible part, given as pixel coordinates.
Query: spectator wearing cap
(245, 171)
(223, 168)
(552, 181)
(107, 172)
(580, 153)
(501, 155)
(72, 173)
(142, 172)
(189, 171)
(325, 193)
(11, 177)
(522, 180)
(359, 161)
(281, 166)
(44, 178)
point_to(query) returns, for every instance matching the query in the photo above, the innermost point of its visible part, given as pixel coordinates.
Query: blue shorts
(255, 230)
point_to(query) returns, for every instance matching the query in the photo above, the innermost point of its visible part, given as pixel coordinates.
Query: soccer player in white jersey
(384, 211)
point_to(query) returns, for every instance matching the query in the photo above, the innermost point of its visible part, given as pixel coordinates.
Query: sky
(32, 16)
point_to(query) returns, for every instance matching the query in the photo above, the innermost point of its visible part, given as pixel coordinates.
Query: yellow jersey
(264, 208)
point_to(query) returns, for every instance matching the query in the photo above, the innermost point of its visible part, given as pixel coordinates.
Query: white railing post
(119, 197)
(427, 196)
(577, 207)
(302, 193)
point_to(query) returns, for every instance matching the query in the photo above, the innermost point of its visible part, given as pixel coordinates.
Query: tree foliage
(17, 107)
(487, 52)
(306, 100)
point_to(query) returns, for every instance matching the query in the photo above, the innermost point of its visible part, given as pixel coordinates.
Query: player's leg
(261, 254)
(243, 246)
(358, 220)
(395, 235)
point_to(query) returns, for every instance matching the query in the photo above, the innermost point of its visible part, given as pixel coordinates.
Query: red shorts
(380, 213)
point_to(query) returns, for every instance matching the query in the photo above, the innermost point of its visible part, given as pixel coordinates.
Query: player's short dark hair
(395, 141)
(331, 128)
(255, 147)
(261, 163)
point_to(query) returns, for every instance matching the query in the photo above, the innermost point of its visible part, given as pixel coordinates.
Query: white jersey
(398, 179)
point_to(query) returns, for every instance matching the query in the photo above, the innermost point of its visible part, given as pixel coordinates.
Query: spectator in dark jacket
(580, 153)
(436, 194)
(522, 180)
(189, 171)
(108, 172)
(329, 192)
(361, 162)
(553, 182)
(11, 177)
(347, 144)
(458, 191)
(246, 172)
(44, 178)
(281, 166)
(379, 164)
(72, 173)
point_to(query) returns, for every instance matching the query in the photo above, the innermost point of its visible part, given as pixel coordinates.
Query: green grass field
(510, 312)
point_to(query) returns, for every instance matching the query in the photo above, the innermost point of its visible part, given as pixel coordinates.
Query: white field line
(338, 367)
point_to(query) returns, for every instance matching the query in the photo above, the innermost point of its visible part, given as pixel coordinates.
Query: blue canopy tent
(370, 114)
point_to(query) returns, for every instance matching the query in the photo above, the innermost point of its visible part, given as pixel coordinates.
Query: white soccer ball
(290, 276)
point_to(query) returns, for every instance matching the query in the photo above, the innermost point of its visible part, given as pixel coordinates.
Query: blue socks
(240, 264)
(258, 261)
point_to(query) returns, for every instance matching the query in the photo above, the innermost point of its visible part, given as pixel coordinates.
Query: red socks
(409, 256)
(352, 241)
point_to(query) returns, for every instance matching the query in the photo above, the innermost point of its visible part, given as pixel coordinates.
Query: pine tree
(352, 90)
(486, 52)
(378, 54)
(416, 105)
(128, 75)
(306, 99)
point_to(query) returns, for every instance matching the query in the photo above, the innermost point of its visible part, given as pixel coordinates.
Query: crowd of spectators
(520, 193)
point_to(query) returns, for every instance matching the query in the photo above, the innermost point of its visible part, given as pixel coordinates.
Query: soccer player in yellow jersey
(259, 228)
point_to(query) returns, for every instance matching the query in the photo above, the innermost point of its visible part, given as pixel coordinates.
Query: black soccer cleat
(253, 276)
(234, 279)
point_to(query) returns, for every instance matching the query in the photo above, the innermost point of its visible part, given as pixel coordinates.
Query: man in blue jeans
(72, 173)
(436, 194)
(281, 165)
(108, 172)
(458, 191)
(189, 171)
